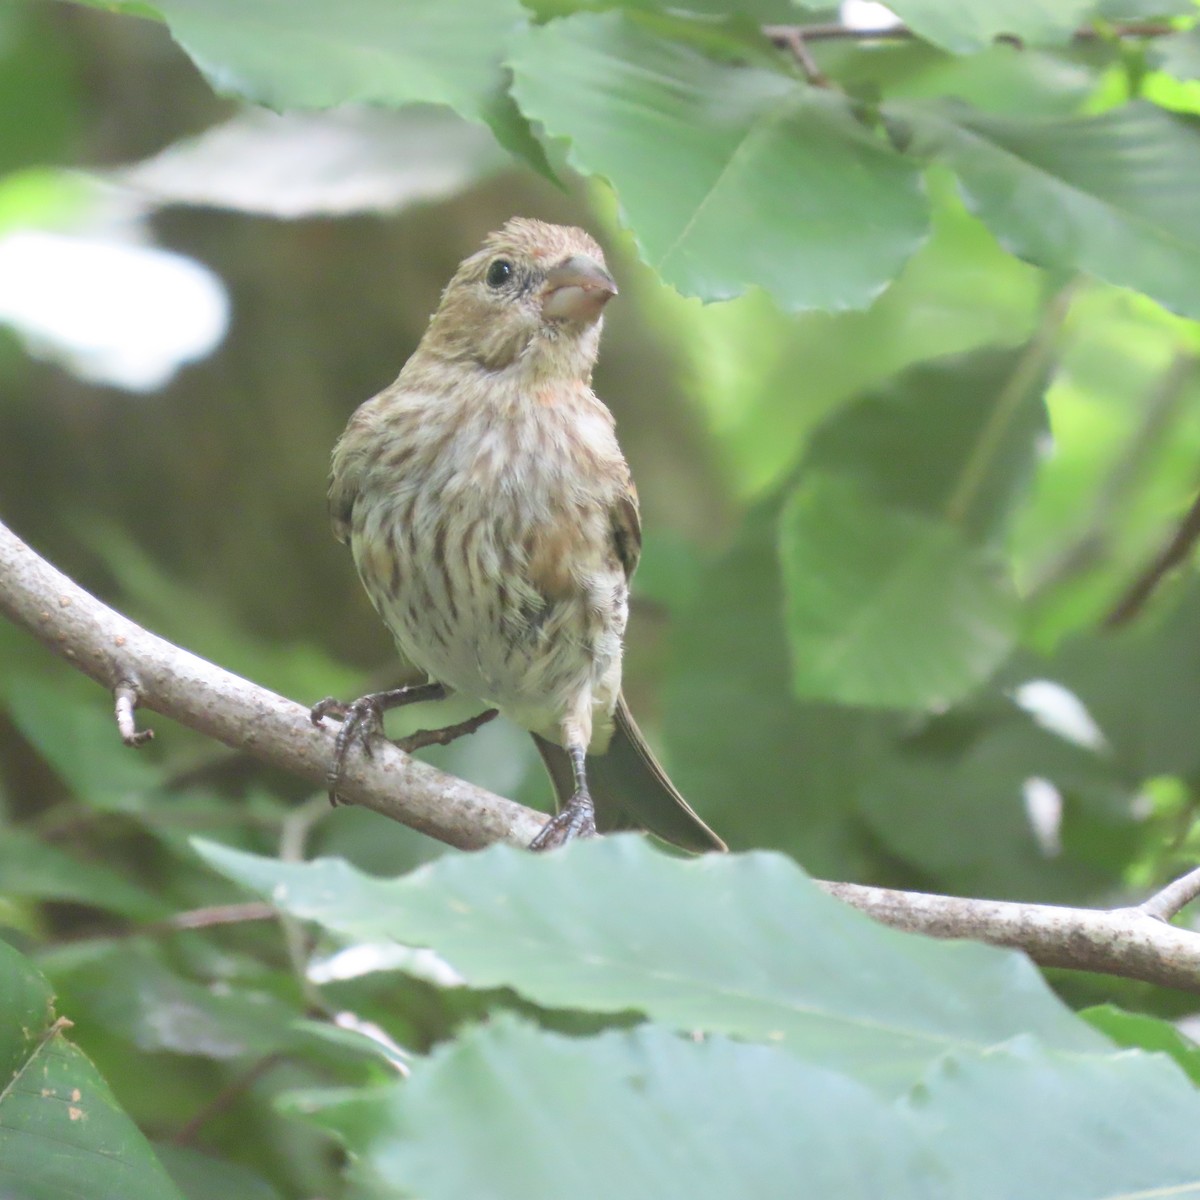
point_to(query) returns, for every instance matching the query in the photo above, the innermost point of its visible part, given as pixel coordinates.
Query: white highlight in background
(113, 313)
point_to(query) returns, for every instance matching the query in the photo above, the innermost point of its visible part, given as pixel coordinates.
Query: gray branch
(142, 670)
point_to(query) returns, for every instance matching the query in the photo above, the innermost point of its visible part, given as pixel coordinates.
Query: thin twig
(1128, 942)
(225, 1099)
(791, 37)
(125, 695)
(782, 35)
(1171, 555)
(1174, 897)
(206, 918)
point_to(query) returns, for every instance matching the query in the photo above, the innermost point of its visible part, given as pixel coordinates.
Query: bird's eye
(499, 273)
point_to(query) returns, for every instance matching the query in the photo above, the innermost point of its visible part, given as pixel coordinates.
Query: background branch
(111, 649)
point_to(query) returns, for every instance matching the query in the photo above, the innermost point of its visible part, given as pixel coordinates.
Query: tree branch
(114, 652)
(786, 36)
(1132, 942)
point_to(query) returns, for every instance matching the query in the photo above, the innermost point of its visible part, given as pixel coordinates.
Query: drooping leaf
(885, 607)
(312, 55)
(744, 945)
(729, 176)
(62, 1134)
(1111, 195)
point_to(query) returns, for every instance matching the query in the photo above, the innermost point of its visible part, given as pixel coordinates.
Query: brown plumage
(495, 526)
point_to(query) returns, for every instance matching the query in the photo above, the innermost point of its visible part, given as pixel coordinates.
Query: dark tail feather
(630, 788)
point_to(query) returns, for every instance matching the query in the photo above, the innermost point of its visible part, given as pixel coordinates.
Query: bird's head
(532, 298)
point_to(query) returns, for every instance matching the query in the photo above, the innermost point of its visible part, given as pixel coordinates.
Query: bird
(494, 524)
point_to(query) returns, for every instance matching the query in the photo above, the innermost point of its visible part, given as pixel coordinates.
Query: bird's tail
(630, 789)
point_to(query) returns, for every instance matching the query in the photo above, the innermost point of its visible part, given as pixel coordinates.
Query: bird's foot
(447, 734)
(362, 721)
(577, 819)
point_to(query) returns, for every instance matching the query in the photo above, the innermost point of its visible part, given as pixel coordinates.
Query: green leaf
(127, 989)
(767, 379)
(646, 1114)
(1146, 1033)
(954, 436)
(633, 1114)
(729, 176)
(309, 54)
(740, 944)
(31, 868)
(1112, 195)
(885, 607)
(1019, 1122)
(969, 25)
(73, 729)
(62, 1134)
(1179, 55)
(200, 1177)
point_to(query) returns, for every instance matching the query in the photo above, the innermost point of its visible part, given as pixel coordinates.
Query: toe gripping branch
(362, 722)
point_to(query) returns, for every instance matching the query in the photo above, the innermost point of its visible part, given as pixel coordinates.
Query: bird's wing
(627, 530)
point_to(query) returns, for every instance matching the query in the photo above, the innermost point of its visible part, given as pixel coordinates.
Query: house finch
(495, 527)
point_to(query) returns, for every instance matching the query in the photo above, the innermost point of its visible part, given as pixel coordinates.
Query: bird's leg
(363, 720)
(578, 815)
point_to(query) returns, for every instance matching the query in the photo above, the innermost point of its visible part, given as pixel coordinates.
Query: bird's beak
(576, 290)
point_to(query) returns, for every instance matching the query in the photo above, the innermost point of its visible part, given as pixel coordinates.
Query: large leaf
(886, 607)
(633, 1114)
(729, 176)
(1018, 1122)
(309, 54)
(766, 379)
(969, 25)
(744, 945)
(1112, 195)
(645, 1114)
(62, 1134)
(31, 868)
(957, 437)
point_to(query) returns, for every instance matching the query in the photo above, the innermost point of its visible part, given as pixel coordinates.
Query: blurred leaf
(777, 773)
(1141, 685)
(201, 1177)
(1146, 1033)
(1178, 55)
(950, 801)
(695, 944)
(1017, 1121)
(61, 1132)
(886, 607)
(954, 436)
(78, 737)
(309, 55)
(769, 182)
(783, 1128)
(1112, 195)
(970, 25)
(32, 868)
(128, 989)
(38, 90)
